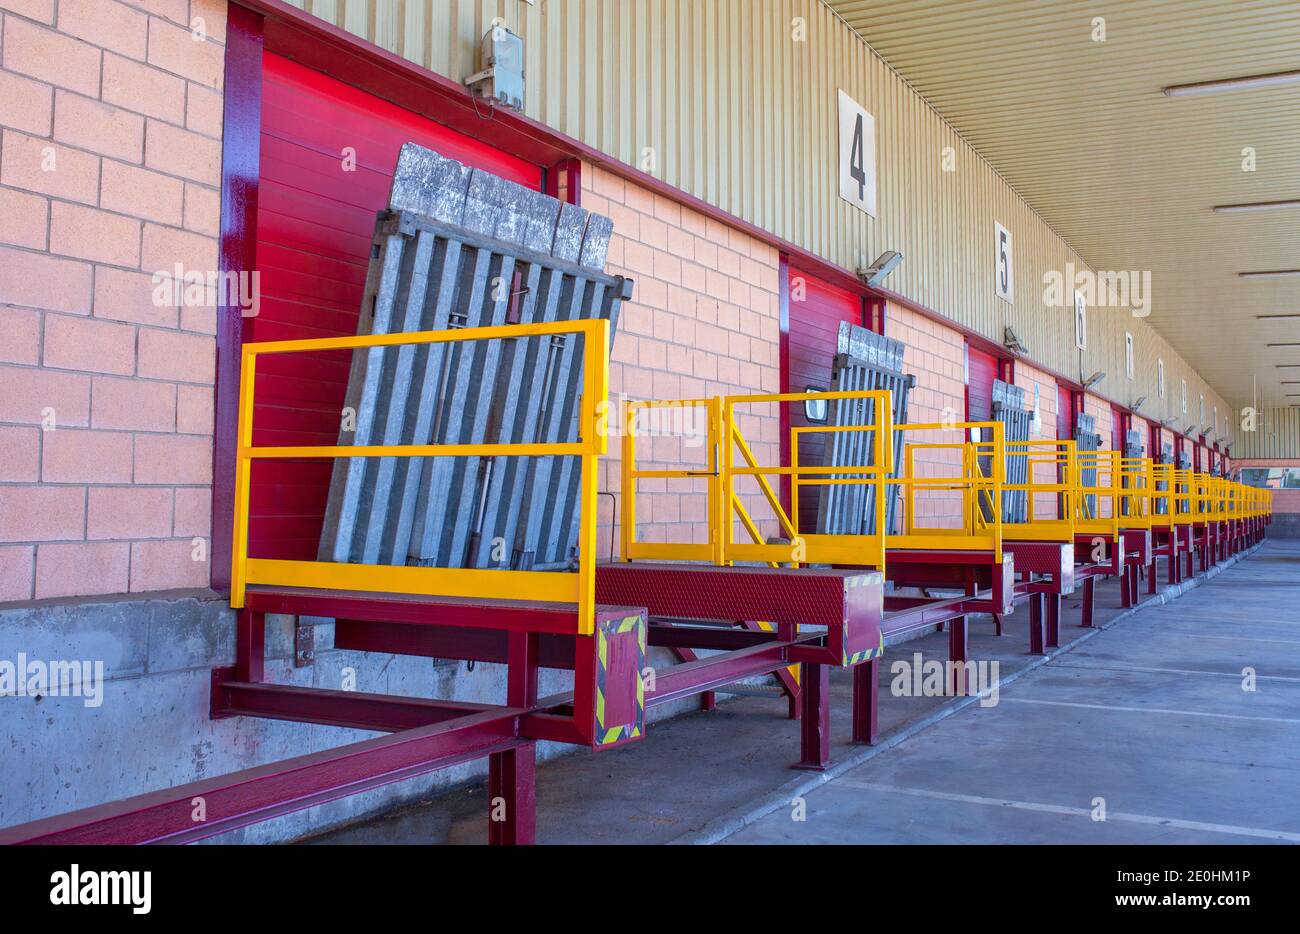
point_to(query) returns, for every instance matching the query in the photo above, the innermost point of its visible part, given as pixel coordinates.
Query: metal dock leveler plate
(864, 360)
(461, 248)
(1009, 409)
(1086, 437)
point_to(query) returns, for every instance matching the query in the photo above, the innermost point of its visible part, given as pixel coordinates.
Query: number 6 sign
(857, 155)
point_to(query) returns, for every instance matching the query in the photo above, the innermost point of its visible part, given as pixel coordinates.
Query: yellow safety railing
(1164, 497)
(729, 456)
(1136, 484)
(1184, 495)
(980, 480)
(1059, 461)
(550, 586)
(807, 548)
(1098, 502)
(1208, 497)
(632, 549)
(977, 474)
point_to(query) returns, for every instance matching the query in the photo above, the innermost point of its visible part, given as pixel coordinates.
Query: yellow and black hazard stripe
(606, 733)
(865, 655)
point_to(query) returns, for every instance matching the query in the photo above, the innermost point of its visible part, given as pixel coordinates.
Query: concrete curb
(719, 828)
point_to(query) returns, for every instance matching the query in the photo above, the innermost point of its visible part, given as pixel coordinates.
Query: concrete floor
(1148, 714)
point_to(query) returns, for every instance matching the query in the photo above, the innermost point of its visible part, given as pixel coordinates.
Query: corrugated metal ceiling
(1126, 174)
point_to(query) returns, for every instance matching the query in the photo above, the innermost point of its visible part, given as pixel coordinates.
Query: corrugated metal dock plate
(1087, 439)
(1041, 557)
(1166, 457)
(1009, 409)
(865, 361)
(464, 248)
(810, 596)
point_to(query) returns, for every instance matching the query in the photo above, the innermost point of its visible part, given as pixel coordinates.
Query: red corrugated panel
(1064, 413)
(981, 371)
(328, 152)
(814, 325)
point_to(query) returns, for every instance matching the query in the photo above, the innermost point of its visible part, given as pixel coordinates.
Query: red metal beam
(380, 712)
(258, 794)
(459, 642)
(713, 672)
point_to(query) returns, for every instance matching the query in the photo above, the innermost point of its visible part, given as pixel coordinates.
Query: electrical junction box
(501, 60)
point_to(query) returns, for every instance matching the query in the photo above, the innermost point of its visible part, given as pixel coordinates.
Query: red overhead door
(816, 310)
(981, 371)
(1065, 409)
(327, 157)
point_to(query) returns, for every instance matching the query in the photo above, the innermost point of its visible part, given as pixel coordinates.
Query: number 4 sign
(857, 155)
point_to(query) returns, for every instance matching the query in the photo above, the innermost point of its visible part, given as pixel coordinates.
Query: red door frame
(871, 316)
(248, 34)
(1119, 428)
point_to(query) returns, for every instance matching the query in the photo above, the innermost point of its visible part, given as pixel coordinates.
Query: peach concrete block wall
(704, 321)
(935, 356)
(110, 161)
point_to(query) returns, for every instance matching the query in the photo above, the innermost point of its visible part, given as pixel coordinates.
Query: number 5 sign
(857, 155)
(1004, 277)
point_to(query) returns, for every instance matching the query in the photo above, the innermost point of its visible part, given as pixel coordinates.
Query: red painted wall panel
(814, 326)
(981, 371)
(327, 157)
(1065, 409)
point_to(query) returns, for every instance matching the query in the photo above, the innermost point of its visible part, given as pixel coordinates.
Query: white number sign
(857, 155)
(1004, 276)
(1080, 321)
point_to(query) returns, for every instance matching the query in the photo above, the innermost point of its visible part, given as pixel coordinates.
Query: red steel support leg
(1133, 585)
(1124, 589)
(1053, 607)
(1151, 576)
(512, 796)
(250, 646)
(1089, 589)
(866, 702)
(815, 723)
(1036, 637)
(512, 774)
(957, 652)
(1173, 557)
